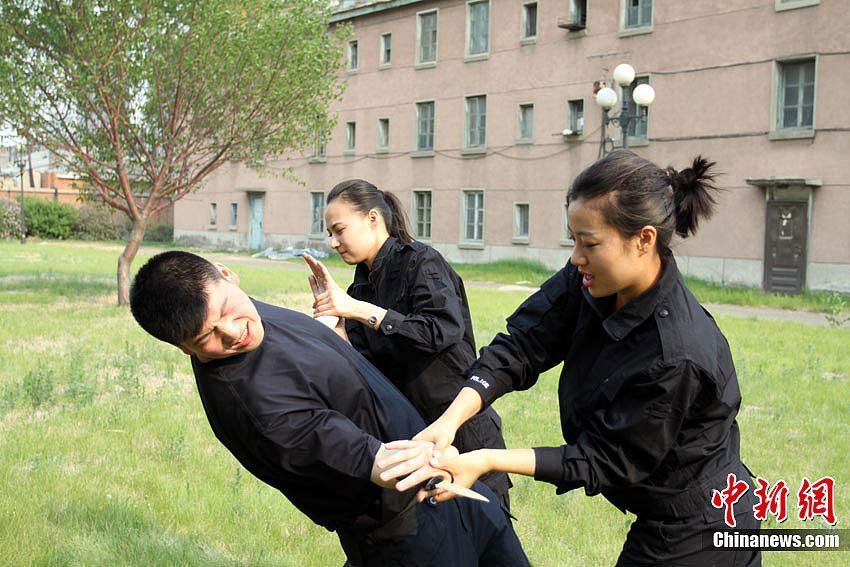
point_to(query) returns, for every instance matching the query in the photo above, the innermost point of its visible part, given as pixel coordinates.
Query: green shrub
(159, 233)
(38, 386)
(49, 219)
(10, 218)
(95, 222)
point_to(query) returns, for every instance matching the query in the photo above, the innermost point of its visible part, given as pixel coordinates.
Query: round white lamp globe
(606, 98)
(624, 74)
(644, 95)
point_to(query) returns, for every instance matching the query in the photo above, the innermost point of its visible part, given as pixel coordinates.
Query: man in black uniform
(306, 414)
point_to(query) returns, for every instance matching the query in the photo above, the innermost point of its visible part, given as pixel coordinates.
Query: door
(256, 206)
(785, 246)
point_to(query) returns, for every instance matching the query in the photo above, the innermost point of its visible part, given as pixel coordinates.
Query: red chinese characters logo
(727, 497)
(817, 499)
(773, 501)
(813, 499)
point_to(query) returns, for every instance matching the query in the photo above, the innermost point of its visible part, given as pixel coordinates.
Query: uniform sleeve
(538, 338)
(436, 318)
(318, 441)
(625, 441)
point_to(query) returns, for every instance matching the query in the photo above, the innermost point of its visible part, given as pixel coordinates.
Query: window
(213, 213)
(638, 14)
(782, 5)
(478, 27)
(350, 136)
(578, 13)
(352, 55)
(426, 29)
(473, 216)
(796, 96)
(525, 124)
(476, 121)
(383, 133)
(425, 126)
(529, 20)
(422, 214)
(386, 48)
(639, 126)
(576, 116)
(521, 221)
(234, 215)
(317, 212)
(565, 227)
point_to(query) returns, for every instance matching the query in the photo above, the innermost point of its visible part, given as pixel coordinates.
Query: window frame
(524, 38)
(414, 201)
(419, 63)
(382, 39)
(312, 210)
(234, 215)
(353, 56)
(463, 241)
(776, 132)
(213, 215)
(520, 138)
(626, 30)
(572, 121)
(634, 141)
(382, 144)
(416, 134)
(350, 142)
(565, 227)
(516, 237)
(468, 55)
(783, 5)
(467, 130)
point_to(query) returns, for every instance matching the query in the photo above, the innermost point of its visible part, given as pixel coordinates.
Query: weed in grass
(836, 305)
(38, 386)
(127, 377)
(175, 446)
(80, 389)
(9, 395)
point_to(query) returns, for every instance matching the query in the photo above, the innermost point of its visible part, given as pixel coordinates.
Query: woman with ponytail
(648, 393)
(406, 310)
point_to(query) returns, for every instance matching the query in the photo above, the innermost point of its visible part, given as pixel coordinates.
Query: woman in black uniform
(648, 392)
(406, 310)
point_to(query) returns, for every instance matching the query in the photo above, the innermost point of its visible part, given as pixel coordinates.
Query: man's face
(232, 325)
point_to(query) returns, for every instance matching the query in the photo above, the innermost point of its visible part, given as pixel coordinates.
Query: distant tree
(145, 98)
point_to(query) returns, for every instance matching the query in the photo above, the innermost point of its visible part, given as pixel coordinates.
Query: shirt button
(389, 327)
(663, 312)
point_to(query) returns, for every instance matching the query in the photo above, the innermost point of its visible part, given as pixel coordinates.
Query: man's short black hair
(169, 295)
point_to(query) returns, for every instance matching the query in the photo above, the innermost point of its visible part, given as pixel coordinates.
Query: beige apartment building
(479, 113)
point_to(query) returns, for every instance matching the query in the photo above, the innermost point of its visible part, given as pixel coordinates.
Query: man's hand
(410, 461)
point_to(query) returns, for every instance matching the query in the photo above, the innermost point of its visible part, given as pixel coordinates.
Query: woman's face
(609, 263)
(355, 236)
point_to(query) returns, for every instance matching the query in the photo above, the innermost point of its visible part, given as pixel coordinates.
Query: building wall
(712, 65)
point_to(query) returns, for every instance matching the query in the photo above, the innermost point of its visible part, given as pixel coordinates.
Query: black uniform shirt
(648, 394)
(306, 414)
(425, 342)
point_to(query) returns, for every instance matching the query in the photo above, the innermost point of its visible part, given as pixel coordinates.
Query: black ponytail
(642, 194)
(364, 197)
(691, 196)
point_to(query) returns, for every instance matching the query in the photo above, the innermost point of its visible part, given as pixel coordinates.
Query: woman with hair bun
(648, 393)
(406, 310)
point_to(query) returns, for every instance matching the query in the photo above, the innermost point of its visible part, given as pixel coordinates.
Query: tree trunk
(125, 260)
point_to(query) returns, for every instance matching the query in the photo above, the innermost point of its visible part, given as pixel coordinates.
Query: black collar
(621, 322)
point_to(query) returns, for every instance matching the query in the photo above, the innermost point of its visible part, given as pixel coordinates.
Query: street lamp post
(606, 98)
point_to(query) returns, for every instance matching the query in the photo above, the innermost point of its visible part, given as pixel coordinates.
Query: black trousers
(461, 532)
(684, 541)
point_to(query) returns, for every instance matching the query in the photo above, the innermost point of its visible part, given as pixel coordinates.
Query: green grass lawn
(106, 457)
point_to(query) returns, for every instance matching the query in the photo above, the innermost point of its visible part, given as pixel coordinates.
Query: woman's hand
(329, 299)
(441, 433)
(465, 469)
